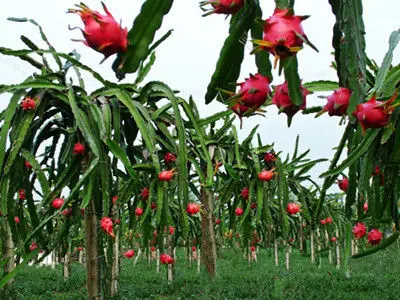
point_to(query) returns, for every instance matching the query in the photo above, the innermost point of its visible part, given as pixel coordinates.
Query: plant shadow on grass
(373, 277)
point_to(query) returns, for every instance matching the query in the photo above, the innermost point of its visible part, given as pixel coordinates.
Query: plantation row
(133, 169)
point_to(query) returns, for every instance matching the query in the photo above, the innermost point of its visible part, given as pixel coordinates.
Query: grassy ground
(373, 277)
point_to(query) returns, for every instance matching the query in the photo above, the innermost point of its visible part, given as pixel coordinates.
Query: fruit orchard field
(373, 277)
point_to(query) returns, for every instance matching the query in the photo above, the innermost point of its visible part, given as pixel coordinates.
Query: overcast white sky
(187, 59)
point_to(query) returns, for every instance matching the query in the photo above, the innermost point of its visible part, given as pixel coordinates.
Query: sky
(186, 61)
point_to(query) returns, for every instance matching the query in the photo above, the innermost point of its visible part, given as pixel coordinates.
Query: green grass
(373, 277)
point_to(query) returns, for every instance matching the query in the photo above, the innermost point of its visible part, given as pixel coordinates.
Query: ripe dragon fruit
(192, 208)
(365, 207)
(169, 157)
(139, 211)
(145, 193)
(373, 113)
(28, 165)
(79, 149)
(166, 175)
(282, 100)
(129, 254)
(269, 157)
(57, 203)
(245, 193)
(343, 184)
(166, 259)
(338, 102)
(292, 208)
(239, 211)
(28, 104)
(266, 175)
(21, 194)
(252, 94)
(226, 7)
(359, 230)
(33, 246)
(107, 226)
(102, 32)
(283, 34)
(374, 237)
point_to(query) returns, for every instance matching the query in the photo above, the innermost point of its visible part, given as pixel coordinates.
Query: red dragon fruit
(245, 193)
(169, 157)
(17, 220)
(28, 104)
(28, 165)
(343, 184)
(239, 211)
(282, 99)
(166, 259)
(79, 149)
(139, 211)
(102, 32)
(171, 229)
(374, 237)
(166, 175)
(373, 113)
(359, 230)
(57, 203)
(67, 212)
(218, 222)
(129, 254)
(194, 248)
(269, 157)
(338, 102)
(292, 208)
(282, 33)
(21, 194)
(266, 175)
(252, 94)
(33, 246)
(322, 222)
(192, 208)
(145, 193)
(365, 207)
(226, 7)
(107, 226)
